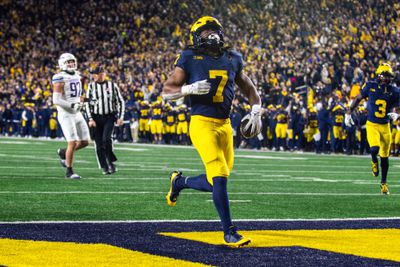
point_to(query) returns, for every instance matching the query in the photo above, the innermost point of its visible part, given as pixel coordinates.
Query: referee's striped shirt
(105, 98)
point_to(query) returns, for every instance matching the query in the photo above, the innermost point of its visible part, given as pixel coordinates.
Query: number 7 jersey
(220, 72)
(381, 101)
(72, 88)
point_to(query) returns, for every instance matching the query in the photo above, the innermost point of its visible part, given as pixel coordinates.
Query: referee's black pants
(103, 140)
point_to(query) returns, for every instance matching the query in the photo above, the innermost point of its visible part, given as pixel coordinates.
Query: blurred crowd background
(308, 59)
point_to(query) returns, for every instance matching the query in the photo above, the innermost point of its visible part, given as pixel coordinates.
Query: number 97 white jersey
(72, 123)
(72, 88)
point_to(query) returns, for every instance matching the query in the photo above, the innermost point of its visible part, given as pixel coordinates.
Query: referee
(106, 108)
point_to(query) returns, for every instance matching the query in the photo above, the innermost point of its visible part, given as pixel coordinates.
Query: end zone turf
(275, 243)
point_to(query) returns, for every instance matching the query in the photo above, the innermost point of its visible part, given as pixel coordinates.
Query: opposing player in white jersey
(67, 92)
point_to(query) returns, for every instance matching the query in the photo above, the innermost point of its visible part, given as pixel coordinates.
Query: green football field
(263, 185)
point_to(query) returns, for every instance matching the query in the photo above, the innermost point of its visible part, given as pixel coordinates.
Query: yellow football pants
(379, 135)
(213, 140)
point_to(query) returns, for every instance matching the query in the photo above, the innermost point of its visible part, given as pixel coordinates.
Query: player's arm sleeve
(120, 102)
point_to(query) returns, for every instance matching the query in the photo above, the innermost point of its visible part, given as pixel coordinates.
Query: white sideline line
(240, 151)
(189, 193)
(211, 220)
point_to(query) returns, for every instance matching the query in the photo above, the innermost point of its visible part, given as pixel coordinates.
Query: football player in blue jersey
(207, 72)
(383, 97)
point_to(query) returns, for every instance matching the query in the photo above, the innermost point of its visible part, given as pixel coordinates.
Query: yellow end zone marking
(44, 253)
(370, 243)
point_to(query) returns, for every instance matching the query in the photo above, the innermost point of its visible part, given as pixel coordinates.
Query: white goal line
(211, 220)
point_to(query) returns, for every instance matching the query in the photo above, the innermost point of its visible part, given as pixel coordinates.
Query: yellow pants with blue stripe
(379, 135)
(213, 140)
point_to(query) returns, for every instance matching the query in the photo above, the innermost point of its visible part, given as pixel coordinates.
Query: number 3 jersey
(381, 101)
(220, 72)
(72, 88)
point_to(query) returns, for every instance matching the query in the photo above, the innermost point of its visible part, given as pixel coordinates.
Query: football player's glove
(197, 88)
(251, 123)
(348, 120)
(77, 106)
(393, 116)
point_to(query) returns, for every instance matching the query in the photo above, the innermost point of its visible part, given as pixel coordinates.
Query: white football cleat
(73, 176)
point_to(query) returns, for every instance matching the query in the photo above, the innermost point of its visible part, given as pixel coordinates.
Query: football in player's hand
(245, 128)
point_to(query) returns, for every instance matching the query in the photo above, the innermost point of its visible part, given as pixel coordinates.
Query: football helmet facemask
(68, 62)
(384, 73)
(214, 40)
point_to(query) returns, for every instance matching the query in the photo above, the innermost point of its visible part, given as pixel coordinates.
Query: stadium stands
(298, 53)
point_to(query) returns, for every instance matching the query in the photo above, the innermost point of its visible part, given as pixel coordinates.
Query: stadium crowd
(308, 59)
